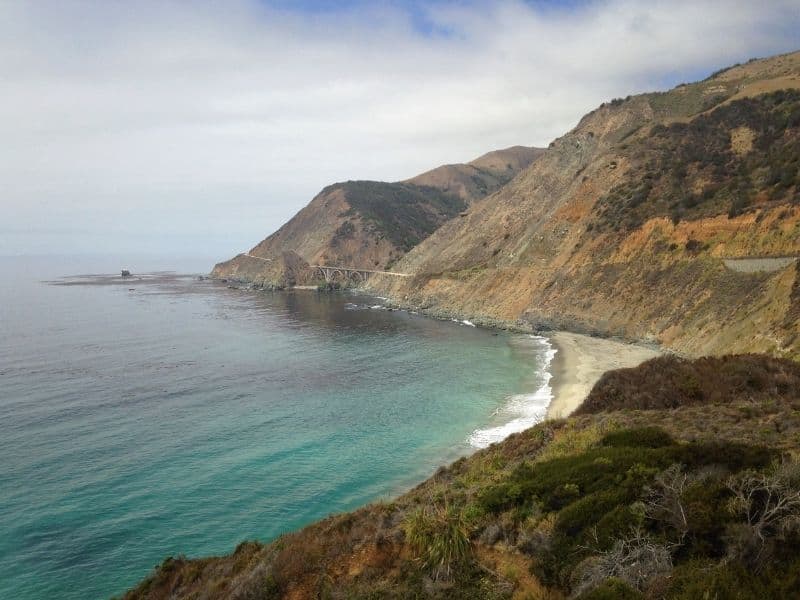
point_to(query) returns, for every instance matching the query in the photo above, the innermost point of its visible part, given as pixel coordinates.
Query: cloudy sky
(199, 127)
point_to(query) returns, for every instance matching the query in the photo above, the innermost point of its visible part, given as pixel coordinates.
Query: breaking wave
(524, 410)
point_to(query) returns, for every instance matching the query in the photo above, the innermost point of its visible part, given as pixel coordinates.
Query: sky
(198, 128)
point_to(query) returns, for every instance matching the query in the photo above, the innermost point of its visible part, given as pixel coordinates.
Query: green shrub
(644, 437)
(732, 455)
(707, 515)
(593, 495)
(402, 212)
(439, 538)
(576, 518)
(612, 589)
(697, 580)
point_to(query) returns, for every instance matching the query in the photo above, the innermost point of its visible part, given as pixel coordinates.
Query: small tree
(663, 500)
(635, 560)
(769, 503)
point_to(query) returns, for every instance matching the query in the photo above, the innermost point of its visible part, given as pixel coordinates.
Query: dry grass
(439, 538)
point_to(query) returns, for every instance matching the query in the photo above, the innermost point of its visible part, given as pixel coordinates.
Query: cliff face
(625, 225)
(286, 269)
(371, 224)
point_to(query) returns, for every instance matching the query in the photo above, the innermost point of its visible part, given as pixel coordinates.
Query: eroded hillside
(625, 225)
(372, 224)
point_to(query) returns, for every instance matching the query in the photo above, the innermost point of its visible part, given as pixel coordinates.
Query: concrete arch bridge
(332, 273)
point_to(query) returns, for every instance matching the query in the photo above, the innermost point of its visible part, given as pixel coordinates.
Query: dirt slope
(622, 226)
(370, 224)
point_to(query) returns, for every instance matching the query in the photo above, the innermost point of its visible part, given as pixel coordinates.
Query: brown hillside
(624, 225)
(482, 176)
(285, 270)
(668, 382)
(371, 225)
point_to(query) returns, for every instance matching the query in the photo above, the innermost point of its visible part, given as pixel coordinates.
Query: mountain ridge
(370, 224)
(591, 237)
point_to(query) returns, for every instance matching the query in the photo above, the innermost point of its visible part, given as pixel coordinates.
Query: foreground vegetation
(622, 501)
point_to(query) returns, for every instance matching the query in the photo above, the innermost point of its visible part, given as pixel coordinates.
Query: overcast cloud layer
(201, 127)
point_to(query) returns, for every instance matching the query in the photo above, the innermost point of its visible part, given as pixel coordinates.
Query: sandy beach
(579, 363)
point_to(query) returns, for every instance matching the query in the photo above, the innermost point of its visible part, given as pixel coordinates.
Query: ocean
(163, 415)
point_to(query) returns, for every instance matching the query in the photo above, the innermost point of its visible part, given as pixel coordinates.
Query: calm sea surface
(165, 415)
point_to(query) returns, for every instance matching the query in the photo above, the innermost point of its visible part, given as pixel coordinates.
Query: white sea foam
(525, 410)
(464, 322)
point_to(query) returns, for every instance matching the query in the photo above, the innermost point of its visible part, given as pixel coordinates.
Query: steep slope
(285, 270)
(371, 224)
(671, 216)
(625, 225)
(482, 176)
(650, 501)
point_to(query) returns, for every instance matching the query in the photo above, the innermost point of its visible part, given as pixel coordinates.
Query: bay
(164, 415)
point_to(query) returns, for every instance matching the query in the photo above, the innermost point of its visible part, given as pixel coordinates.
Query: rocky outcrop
(286, 270)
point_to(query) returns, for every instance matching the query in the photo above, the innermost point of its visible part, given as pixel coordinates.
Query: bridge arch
(331, 272)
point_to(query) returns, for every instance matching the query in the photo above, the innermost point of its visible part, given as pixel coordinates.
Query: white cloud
(201, 127)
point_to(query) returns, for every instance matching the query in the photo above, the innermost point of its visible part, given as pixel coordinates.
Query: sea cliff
(671, 218)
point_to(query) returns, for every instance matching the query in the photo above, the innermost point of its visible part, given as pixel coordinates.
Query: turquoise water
(169, 416)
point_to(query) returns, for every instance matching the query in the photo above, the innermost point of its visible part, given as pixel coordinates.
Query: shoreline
(579, 363)
(576, 362)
